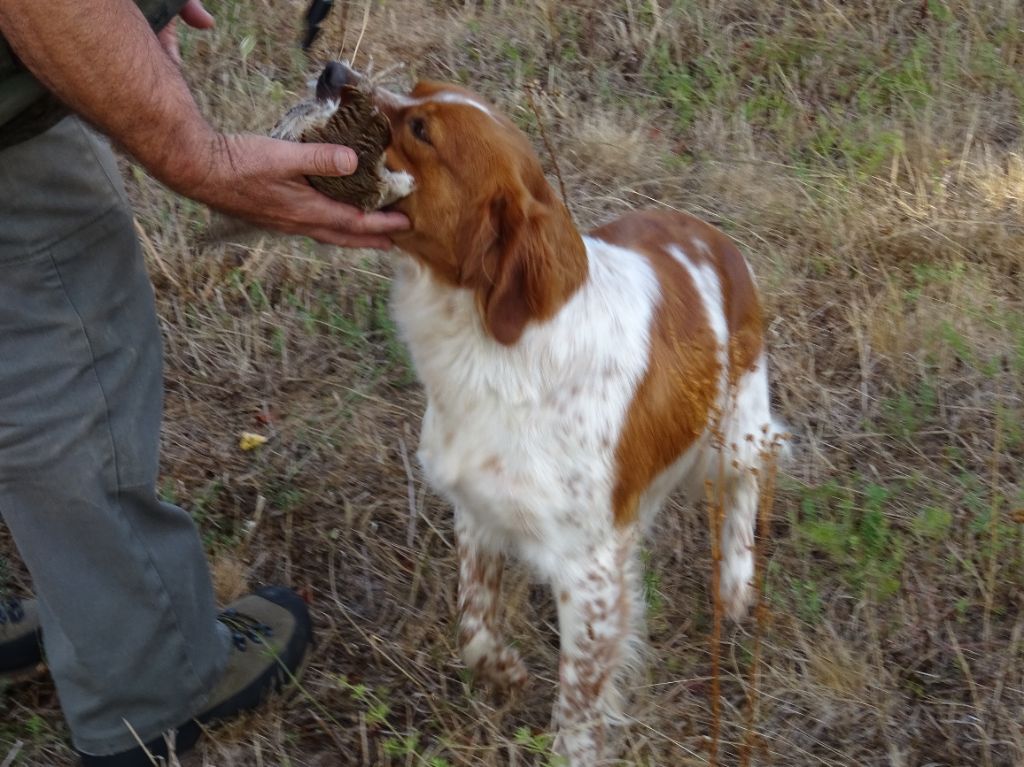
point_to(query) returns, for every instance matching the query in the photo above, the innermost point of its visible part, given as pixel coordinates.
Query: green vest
(26, 107)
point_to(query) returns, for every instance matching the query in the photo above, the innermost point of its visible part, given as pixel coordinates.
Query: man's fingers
(331, 237)
(351, 220)
(192, 14)
(379, 223)
(312, 206)
(196, 16)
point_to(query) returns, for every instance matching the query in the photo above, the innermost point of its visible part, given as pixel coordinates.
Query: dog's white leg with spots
(739, 499)
(480, 644)
(750, 430)
(598, 613)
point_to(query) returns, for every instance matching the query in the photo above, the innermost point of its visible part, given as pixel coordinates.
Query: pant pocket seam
(92, 367)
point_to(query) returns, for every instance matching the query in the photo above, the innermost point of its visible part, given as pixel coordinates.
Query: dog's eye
(418, 126)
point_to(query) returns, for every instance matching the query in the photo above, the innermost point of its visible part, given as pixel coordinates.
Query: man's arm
(101, 58)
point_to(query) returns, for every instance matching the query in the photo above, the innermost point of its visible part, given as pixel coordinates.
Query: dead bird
(341, 112)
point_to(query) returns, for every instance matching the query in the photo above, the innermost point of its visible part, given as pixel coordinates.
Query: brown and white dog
(573, 381)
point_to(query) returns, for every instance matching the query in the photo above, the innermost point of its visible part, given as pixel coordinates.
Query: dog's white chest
(523, 437)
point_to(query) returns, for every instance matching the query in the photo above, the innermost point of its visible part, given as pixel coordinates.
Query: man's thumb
(326, 160)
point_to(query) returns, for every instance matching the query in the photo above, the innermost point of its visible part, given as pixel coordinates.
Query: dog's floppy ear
(523, 260)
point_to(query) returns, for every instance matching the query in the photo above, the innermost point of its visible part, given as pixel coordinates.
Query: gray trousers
(127, 608)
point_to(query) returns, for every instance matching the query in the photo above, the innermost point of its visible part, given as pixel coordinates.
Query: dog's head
(482, 213)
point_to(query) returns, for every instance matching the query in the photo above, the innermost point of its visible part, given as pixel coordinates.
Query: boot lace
(245, 629)
(11, 611)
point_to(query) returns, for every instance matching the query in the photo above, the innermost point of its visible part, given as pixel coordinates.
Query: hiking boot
(20, 652)
(271, 636)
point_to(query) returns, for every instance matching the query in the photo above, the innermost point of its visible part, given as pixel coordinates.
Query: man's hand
(263, 181)
(102, 59)
(193, 14)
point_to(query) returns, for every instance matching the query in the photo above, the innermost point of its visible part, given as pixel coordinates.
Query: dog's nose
(335, 76)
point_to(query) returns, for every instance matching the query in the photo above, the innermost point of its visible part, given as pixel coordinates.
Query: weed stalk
(765, 503)
(993, 530)
(715, 502)
(551, 151)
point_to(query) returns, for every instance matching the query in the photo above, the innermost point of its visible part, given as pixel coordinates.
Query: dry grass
(869, 158)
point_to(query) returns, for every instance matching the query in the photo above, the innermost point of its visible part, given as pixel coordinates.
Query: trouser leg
(127, 609)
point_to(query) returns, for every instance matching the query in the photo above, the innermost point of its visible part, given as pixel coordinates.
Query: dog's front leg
(598, 612)
(480, 643)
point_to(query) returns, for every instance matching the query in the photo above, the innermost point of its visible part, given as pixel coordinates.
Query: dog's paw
(735, 588)
(495, 665)
(505, 671)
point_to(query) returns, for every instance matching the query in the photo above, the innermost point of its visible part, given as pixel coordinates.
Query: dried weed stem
(765, 503)
(993, 530)
(551, 151)
(716, 512)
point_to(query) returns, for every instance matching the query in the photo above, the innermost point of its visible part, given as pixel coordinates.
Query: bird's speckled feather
(355, 123)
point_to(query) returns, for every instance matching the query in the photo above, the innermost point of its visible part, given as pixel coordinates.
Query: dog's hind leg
(752, 442)
(480, 643)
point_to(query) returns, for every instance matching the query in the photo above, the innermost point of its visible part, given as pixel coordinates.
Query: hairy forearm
(101, 58)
